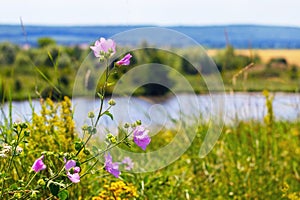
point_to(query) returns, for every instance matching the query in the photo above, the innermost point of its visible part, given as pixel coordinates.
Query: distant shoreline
(239, 36)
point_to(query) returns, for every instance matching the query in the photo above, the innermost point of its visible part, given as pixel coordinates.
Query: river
(228, 107)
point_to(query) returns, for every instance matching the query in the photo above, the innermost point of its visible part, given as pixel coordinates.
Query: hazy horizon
(153, 13)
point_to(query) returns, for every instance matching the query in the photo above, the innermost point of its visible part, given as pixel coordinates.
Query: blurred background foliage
(28, 71)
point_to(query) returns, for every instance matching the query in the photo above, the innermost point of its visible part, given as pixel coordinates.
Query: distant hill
(240, 36)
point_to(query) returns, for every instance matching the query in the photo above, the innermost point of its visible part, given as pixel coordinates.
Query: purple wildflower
(103, 47)
(72, 171)
(128, 162)
(111, 167)
(141, 137)
(38, 165)
(125, 60)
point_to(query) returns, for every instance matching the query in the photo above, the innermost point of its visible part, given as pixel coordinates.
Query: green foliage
(44, 42)
(251, 160)
(246, 163)
(18, 85)
(64, 61)
(294, 72)
(22, 60)
(278, 61)
(8, 53)
(228, 60)
(56, 66)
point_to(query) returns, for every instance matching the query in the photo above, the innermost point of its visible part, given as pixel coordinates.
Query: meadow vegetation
(251, 160)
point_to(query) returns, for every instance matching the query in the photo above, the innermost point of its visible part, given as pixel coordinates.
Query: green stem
(103, 93)
(31, 180)
(101, 106)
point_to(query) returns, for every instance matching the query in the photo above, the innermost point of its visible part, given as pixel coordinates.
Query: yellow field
(291, 55)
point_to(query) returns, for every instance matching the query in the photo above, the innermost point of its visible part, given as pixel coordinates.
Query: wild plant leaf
(63, 195)
(108, 114)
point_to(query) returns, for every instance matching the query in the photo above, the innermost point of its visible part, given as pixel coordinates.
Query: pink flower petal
(128, 162)
(112, 168)
(70, 164)
(38, 165)
(76, 169)
(125, 60)
(75, 178)
(103, 45)
(141, 138)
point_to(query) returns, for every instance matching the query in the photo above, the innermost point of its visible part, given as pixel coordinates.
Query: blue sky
(154, 12)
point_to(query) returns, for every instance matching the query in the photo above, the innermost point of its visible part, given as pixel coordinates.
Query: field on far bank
(291, 55)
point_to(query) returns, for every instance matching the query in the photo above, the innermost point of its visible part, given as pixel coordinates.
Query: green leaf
(108, 114)
(100, 95)
(54, 189)
(63, 195)
(14, 186)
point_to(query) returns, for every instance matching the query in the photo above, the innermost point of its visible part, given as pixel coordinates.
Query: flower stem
(103, 92)
(31, 180)
(101, 105)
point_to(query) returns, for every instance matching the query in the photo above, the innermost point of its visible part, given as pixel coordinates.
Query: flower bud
(91, 115)
(111, 102)
(23, 125)
(84, 127)
(78, 145)
(126, 125)
(15, 125)
(138, 122)
(111, 138)
(86, 152)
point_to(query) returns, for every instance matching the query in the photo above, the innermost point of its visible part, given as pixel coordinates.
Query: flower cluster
(70, 166)
(103, 49)
(7, 149)
(141, 139)
(119, 190)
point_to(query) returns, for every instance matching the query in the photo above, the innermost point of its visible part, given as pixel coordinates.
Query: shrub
(8, 53)
(63, 61)
(228, 60)
(45, 41)
(22, 60)
(294, 72)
